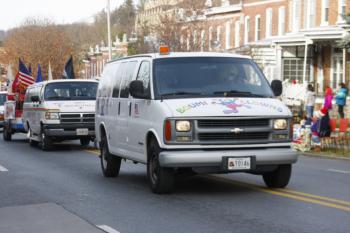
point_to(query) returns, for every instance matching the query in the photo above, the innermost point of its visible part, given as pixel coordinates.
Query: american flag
(25, 79)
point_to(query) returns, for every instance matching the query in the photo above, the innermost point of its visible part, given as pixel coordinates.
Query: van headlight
(183, 126)
(280, 124)
(52, 116)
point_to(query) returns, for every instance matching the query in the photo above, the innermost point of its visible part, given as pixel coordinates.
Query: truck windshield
(70, 91)
(2, 99)
(209, 77)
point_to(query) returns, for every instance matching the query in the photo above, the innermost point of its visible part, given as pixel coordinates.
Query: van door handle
(119, 108)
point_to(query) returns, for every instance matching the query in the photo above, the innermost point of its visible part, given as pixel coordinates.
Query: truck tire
(85, 141)
(45, 142)
(31, 141)
(110, 164)
(6, 133)
(161, 179)
(278, 178)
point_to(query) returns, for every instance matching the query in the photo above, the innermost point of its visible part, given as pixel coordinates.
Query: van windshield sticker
(231, 106)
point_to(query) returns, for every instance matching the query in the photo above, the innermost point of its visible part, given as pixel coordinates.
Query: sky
(14, 12)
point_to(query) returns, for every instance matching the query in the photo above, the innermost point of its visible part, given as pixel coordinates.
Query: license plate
(82, 132)
(243, 163)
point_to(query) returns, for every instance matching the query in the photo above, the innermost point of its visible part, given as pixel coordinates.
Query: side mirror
(136, 90)
(277, 87)
(35, 98)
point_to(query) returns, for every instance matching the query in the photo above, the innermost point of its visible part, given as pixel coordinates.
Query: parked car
(3, 96)
(59, 110)
(207, 112)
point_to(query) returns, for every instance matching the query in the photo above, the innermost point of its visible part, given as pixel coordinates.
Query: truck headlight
(280, 124)
(52, 116)
(183, 126)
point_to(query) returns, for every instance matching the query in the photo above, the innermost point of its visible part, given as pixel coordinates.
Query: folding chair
(342, 138)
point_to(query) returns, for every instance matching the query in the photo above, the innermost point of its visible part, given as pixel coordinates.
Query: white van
(204, 112)
(59, 110)
(3, 96)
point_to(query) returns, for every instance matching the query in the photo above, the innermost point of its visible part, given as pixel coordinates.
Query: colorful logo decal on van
(231, 104)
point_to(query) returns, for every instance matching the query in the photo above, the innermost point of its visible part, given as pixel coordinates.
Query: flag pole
(109, 29)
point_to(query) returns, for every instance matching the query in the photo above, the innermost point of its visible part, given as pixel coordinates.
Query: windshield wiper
(180, 93)
(235, 93)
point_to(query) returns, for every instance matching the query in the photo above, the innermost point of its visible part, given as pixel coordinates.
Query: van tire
(85, 141)
(7, 135)
(110, 164)
(32, 142)
(161, 179)
(45, 142)
(278, 178)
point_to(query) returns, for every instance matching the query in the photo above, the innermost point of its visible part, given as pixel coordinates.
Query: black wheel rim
(154, 167)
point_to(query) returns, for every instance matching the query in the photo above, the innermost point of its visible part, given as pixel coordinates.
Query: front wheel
(161, 179)
(278, 178)
(110, 164)
(45, 141)
(7, 135)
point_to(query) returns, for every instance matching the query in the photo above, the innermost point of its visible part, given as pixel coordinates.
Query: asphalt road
(317, 199)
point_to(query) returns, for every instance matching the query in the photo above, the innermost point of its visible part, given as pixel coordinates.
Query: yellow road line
(300, 196)
(315, 196)
(95, 152)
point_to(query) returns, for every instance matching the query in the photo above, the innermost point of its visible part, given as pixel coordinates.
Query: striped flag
(25, 79)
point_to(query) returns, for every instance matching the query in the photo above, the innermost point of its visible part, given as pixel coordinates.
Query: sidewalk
(327, 154)
(42, 218)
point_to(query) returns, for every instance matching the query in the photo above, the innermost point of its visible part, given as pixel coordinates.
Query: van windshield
(209, 77)
(2, 99)
(70, 91)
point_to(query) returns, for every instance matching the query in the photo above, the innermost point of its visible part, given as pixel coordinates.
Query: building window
(341, 10)
(210, 38)
(195, 40)
(228, 35)
(257, 27)
(293, 69)
(246, 29)
(281, 20)
(218, 37)
(202, 40)
(268, 22)
(237, 35)
(311, 13)
(325, 12)
(296, 13)
(337, 70)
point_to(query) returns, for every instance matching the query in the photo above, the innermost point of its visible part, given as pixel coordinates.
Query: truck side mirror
(35, 98)
(277, 87)
(136, 90)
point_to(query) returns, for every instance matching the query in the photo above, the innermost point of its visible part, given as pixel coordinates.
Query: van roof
(184, 54)
(65, 80)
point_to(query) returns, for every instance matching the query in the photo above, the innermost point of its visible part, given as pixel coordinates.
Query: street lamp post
(109, 29)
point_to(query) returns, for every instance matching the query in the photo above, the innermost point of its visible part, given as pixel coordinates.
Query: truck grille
(233, 123)
(77, 118)
(232, 136)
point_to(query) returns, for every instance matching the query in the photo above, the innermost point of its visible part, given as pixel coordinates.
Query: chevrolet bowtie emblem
(237, 130)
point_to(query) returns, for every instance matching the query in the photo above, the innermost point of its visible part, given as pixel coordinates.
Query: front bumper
(69, 130)
(214, 158)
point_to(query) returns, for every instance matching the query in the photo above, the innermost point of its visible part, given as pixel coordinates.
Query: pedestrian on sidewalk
(310, 103)
(320, 128)
(328, 99)
(340, 98)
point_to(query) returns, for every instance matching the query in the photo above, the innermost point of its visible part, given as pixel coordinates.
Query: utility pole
(109, 29)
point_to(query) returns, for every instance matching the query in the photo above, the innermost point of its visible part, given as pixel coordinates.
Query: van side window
(124, 89)
(117, 78)
(144, 76)
(28, 95)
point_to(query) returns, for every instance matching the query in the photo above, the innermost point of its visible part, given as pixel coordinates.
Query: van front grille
(251, 136)
(77, 118)
(233, 123)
